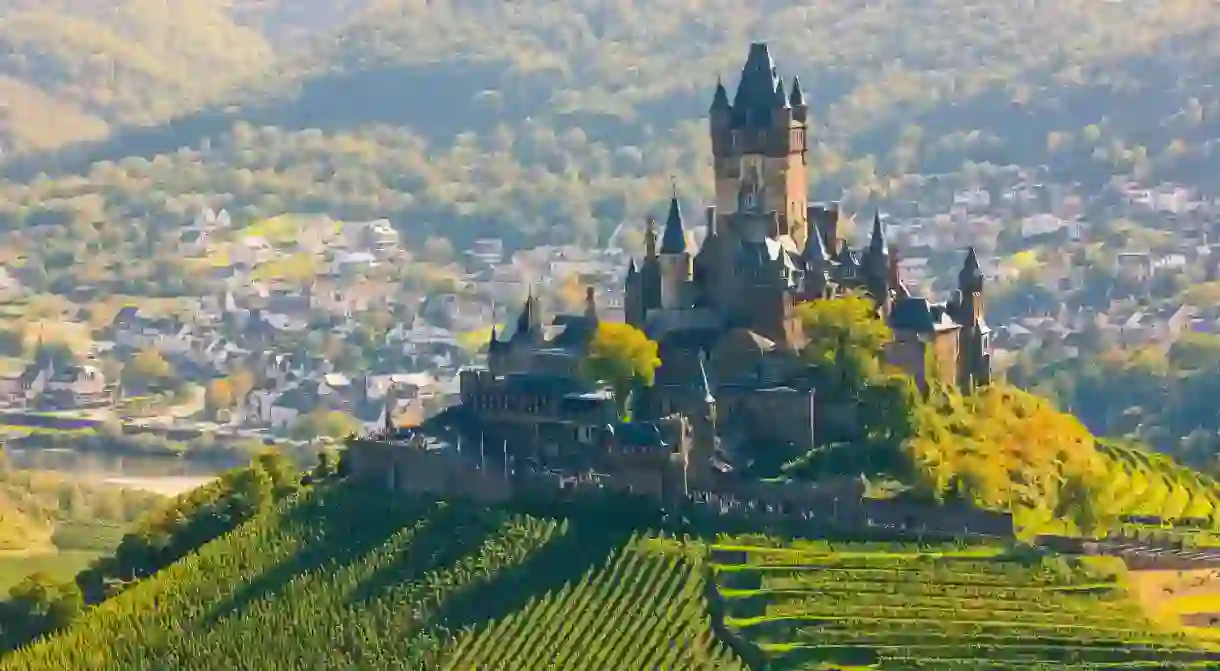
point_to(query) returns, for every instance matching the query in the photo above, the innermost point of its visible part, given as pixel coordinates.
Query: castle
(731, 381)
(724, 315)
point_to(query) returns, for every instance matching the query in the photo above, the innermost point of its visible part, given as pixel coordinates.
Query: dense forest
(546, 122)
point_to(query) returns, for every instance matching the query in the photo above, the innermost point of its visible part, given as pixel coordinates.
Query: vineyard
(335, 580)
(1142, 482)
(643, 608)
(336, 577)
(344, 579)
(896, 607)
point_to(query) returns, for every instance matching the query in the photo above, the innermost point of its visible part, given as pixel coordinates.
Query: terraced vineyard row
(880, 608)
(641, 609)
(338, 580)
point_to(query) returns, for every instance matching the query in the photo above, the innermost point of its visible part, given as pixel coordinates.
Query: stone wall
(406, 467)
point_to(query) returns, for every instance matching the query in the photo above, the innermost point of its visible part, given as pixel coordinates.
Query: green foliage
(305, 587)
(846, 338)
(38, 605)
(322, 423)
(197, 517)
(38, 509)
(849, 605)
(534, 127)
(1160, 398)
(622, 356)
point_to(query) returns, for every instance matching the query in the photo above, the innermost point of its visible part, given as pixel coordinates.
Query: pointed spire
(673, 240)
(631, 271)
(757, 85)
(972, 262)
(720, 100)
(529, 322)
(797, 97)
(650, 238)
(781, 98)
(815, 250)
(971, 275)
(877, 245)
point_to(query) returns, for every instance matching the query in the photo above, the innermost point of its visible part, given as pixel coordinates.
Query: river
(159, 474)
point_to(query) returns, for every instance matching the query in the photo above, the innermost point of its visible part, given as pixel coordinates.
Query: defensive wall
(493, 478)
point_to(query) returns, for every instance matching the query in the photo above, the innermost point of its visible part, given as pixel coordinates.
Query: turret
(970, 283)
(877, 246)
(674, 258)
(796, 100)
(673, 241)
(817, 266)
(876, 263)
(970, 277)
(974, 338)
(633, 297)
(720, 116)
(529, 321)
(650, 239)
(720, 100)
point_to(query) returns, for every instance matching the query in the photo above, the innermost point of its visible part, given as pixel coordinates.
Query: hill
(81, 66)
(538, 113)
(447, 585)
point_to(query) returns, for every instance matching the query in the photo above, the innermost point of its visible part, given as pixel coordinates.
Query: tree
(622, 356)
(148, 367)
(38, 605)
(324, 423)
(241, 382)
(846, 337)
(219, 396)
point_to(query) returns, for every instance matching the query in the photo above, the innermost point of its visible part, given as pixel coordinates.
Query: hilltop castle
(724, 316)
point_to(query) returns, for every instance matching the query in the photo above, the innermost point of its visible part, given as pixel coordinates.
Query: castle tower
(649, 280)
(765, 129)
(974, 344)
(817, 266)
(877, 265)
(674, 259)
(529, 321)
(633, 297)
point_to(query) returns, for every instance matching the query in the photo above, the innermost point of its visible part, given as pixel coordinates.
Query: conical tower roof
(673, 240)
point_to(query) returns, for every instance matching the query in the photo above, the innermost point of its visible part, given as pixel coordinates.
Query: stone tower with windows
(763, 130)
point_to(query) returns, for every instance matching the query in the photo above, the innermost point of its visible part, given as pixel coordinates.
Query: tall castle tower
(763, 130)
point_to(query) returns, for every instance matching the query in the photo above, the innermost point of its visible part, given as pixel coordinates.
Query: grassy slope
(348, 579)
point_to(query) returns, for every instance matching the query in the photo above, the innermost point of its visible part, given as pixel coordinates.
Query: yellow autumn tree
(621, 355)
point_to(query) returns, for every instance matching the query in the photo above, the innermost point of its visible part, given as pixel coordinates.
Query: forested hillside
(469, 117)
